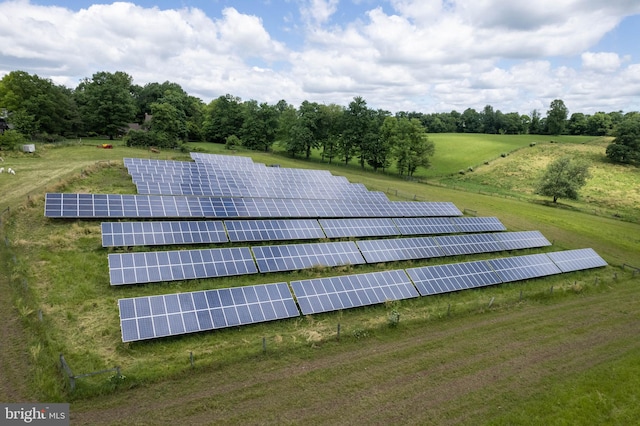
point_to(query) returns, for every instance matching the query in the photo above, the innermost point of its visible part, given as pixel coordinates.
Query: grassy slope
(94, 300)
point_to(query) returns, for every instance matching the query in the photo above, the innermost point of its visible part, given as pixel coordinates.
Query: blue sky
(399, 55)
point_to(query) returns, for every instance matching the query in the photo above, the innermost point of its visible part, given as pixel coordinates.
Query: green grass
(611, 190)
(451, 356)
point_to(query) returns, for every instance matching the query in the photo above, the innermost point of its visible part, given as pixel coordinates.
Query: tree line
(107, 103)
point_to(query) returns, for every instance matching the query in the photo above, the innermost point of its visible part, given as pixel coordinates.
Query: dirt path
(458, 371)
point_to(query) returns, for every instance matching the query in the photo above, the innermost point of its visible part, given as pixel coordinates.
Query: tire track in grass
(454, 371)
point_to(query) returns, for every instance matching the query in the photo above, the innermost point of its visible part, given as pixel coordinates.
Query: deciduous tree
(625, 148)
(563, 178)
(106, 102)
(557, 117)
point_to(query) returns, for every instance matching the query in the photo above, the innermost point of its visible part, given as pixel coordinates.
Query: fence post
(69, 373)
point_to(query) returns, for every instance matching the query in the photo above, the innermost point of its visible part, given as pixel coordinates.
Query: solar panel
(301, 256)
(522, 240)
(478, 224)
(157, 206)
(524, 267)
(272, 230)
(151, 317)
(136, 268)
(350, 291)
(453, 245)
(389, 250)
(337, 228)
(116, 234)
(273, 190)
(425, 225)
(576, 260)
(438, 279)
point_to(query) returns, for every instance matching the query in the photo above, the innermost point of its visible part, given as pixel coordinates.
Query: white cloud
(317, 12)
(427, 55)
(604, 62)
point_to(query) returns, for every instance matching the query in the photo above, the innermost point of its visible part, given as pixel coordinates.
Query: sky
(398, 55)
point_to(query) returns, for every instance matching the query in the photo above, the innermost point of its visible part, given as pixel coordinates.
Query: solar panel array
(576, 260)
(155, 266)
(350, 291)
(150, 317)
(58, 205)
(300, 256)
(452, 277)
(315, 205)
(273, 230)
(149, 233)
(118, 234)
(337, 228)
(524, 267)
(425, 225)
(388, 250)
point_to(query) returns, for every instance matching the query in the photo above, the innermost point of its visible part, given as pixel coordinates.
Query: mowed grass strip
(465, 369)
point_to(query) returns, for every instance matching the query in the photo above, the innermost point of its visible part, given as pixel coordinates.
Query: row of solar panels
(151, 317)
(155, 266)
(219, 178)
(267, 191)
(118, 234)
(58, 205)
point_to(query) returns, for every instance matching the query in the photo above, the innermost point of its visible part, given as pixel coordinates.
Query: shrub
(503, 155)
(470, 169)
(461, 171)
(10, 139)
(532, 144)
(143, 138)
(394, 318)
(232, 142)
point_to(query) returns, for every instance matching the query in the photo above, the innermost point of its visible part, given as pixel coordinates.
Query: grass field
(452, 359)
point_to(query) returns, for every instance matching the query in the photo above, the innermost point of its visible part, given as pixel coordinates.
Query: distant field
(612, 189)
(452, 360)
(459, 151)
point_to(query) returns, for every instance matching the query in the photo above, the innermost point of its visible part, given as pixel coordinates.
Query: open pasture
(452, 359)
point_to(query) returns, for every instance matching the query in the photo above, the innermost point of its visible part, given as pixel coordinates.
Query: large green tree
(410, 143)
(625, 148)
(557, 117)
(360, 131)
(259, 126)
(36, 105)
(223, 118)
(563, 178)
(106, 102)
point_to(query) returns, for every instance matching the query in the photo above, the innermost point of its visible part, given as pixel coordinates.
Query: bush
(394, 318)
(503, 155)
(532, 144)
(461, 171)
(470, 169)
(232, 142)
(10, 139)
(142, 138)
